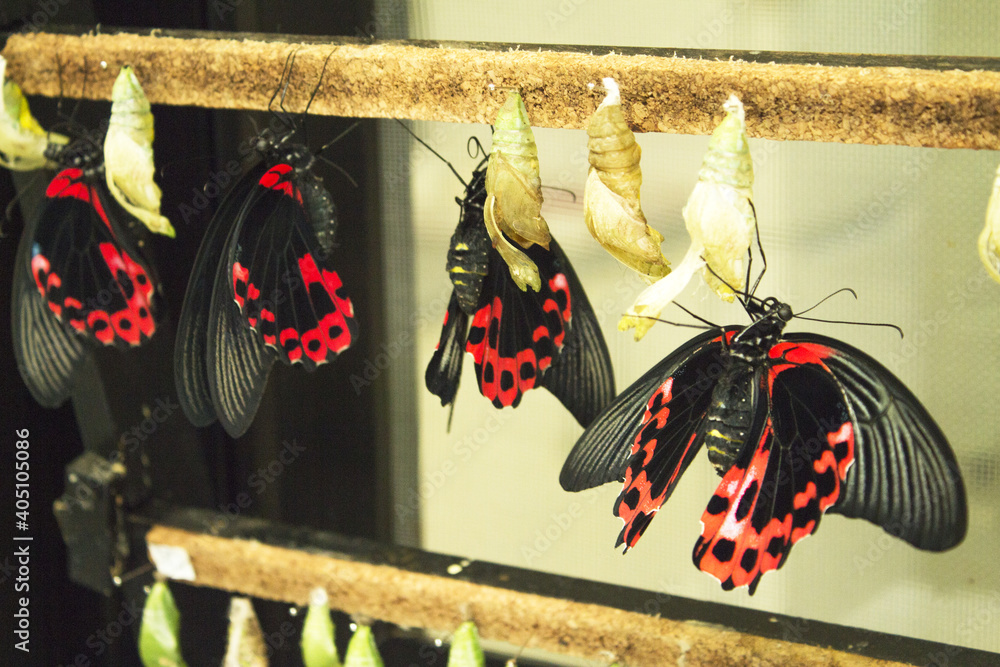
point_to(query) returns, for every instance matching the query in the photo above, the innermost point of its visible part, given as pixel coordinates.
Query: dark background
(334, 484)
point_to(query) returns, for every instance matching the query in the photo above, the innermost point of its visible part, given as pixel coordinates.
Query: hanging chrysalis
(128, 153)
(989, 240)
(611, 197)
(245, 646)
(318, 648)
(361, 650)
(22, 139)
(720, 218)
(465, 650)
(159, 645)
(514, 193)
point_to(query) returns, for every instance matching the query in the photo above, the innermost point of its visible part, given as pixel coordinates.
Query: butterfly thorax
(731, 413)
(468, 254)
(84, 154)
(320, 210)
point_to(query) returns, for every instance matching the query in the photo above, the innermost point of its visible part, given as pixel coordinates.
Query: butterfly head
(770, 308)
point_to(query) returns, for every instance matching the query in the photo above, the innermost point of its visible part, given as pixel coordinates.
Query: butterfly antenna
(336, 166)
(828, 296)
(438, 155)
(860, 324)
(337, 138)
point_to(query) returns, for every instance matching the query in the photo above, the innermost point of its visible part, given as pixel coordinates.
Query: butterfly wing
(281, 276)
(93, 280)
(905, 477)
(191, 346)
(445, 368)
(581, 376)
(791, 470)
(675, 391)
(238, 361)
(517, 336)
(47, 355)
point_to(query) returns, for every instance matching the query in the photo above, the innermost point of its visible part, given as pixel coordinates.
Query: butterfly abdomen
(730, 415)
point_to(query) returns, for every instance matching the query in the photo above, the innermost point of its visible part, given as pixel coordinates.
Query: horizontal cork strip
(440, 603)
(467, 83)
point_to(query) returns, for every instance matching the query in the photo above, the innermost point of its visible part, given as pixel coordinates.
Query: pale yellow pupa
(611, 196)
(245, 646)
(128, 154)
(514, 192)
(720, 218)
(989, 240)
(22, 139)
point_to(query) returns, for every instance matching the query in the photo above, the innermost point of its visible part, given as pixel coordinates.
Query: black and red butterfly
(80, 279)
(262, 288)
(518, 339)
(796, 425)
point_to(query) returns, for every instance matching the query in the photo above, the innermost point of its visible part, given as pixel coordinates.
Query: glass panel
(897, 224)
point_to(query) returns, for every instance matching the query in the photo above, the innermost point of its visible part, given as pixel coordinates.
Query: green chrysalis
(159, 645)
(318, 647)
(720, 218)
(361, 650)
(22, 139)
(989, 240)
(465, 650)
(514, 192)
(128, 153)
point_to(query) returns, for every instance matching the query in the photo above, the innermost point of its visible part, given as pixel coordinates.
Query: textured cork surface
(417, 599)
(871, 105)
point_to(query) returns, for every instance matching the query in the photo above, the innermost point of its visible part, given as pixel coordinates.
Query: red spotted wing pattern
(262, 289)
(796, 426)
(281, 283)
(88, 278)
(519, 340)
(80, 279)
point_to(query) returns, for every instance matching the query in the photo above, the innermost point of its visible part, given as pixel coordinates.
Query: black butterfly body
(80, 279)
(262, 289)
(519, 339)
(795, 424)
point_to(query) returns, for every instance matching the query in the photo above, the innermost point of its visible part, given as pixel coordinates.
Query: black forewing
(445, 368)
(581, 376)
(47, 356)
(602, 453)
(905, 477)
(191, 346)
(238, 362)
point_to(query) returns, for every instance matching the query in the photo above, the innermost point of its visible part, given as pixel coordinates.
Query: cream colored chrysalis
(611, 197)
(128, 154)
(989, 240)
(720, 218)
(245, 646)
(22, 139)
(514, 193)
